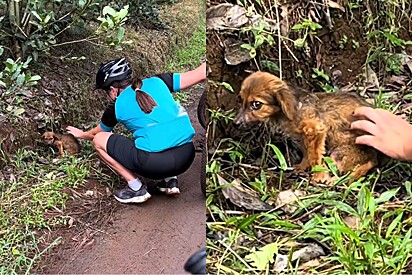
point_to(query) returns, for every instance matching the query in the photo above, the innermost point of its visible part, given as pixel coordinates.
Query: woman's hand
(76, 132)
(388, 133)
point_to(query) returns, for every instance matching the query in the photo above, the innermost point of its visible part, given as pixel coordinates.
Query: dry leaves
(242, 197)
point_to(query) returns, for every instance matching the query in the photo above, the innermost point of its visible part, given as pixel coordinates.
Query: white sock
(135, 184)
(169, 178)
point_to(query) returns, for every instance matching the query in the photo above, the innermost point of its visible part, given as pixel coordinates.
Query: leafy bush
(145, 13)
(13, 79)
(31, 27)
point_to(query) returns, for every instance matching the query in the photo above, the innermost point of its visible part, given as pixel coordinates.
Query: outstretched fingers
(372, 114)
(365, 125)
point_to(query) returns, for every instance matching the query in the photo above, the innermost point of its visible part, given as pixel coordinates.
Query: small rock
(89, 193)
(281, 263)
(39, 116)
(70, 222)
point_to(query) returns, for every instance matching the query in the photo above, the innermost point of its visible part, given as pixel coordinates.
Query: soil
(156, 237)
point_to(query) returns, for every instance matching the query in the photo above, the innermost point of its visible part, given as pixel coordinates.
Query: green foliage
(261, 36)
(14, 79)
(306, 26)
(383, 33)
(324, 80)
(112, 25)
(261, 258)
(145, 13)
(34, 27)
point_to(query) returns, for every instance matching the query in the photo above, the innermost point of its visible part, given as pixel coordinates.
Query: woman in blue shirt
(162, 145)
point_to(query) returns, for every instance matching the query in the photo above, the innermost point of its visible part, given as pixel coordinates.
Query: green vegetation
(190, 55)
(37, 188)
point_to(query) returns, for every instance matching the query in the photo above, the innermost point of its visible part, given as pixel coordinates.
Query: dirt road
(156, 237)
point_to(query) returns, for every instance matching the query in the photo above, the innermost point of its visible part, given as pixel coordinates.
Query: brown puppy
(319, 122)
(65, 142)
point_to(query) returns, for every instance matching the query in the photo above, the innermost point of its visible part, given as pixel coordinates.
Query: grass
(191, 54)
(363, 227)
(37, 186)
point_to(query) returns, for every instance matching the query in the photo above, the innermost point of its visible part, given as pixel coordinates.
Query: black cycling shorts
(152, 165)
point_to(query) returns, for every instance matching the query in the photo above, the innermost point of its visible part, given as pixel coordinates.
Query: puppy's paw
(303, 166)
(321, 177)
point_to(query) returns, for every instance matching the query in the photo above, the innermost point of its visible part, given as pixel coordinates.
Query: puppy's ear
(287, 102)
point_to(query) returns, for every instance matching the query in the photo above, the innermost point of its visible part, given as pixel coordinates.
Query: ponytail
(145, 101)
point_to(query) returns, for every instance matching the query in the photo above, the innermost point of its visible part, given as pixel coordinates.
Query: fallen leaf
(400, 80)
(241, 197)
(335, 5)
(261, 258)
(309, 264)
(224, 16)
(352, 222)
(371, 77)
(286, 200)
(234, 53)
(308, 253)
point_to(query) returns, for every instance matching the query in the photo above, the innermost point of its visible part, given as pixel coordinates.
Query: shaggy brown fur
(65, 142)
(319, 122)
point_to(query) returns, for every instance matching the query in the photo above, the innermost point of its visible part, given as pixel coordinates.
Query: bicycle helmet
(114, 70)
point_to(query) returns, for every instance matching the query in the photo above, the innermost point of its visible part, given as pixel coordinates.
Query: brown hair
(145, 101)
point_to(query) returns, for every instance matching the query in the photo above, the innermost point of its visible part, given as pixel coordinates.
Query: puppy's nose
(239, 119)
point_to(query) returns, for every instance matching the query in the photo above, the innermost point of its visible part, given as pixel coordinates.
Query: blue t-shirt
(167, 126)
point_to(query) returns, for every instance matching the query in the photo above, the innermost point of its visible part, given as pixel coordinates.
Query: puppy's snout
(239, 119)
(241, 122)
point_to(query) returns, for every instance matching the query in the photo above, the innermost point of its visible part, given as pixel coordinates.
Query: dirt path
(156, 237)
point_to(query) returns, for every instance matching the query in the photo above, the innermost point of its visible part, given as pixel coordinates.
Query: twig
(237, 256)
(279, 41)
(54, 243)
(149, 251)
(73, 42)
(95, 229)
(292, 231)
(307, 213)
(290, 51)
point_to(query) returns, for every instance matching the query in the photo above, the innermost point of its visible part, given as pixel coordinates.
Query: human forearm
(88, 135)
(193, 77)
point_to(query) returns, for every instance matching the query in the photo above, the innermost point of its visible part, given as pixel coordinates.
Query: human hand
(75, 131)
(387, 132)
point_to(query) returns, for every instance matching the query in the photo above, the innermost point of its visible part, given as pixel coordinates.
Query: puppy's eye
(256, 105)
